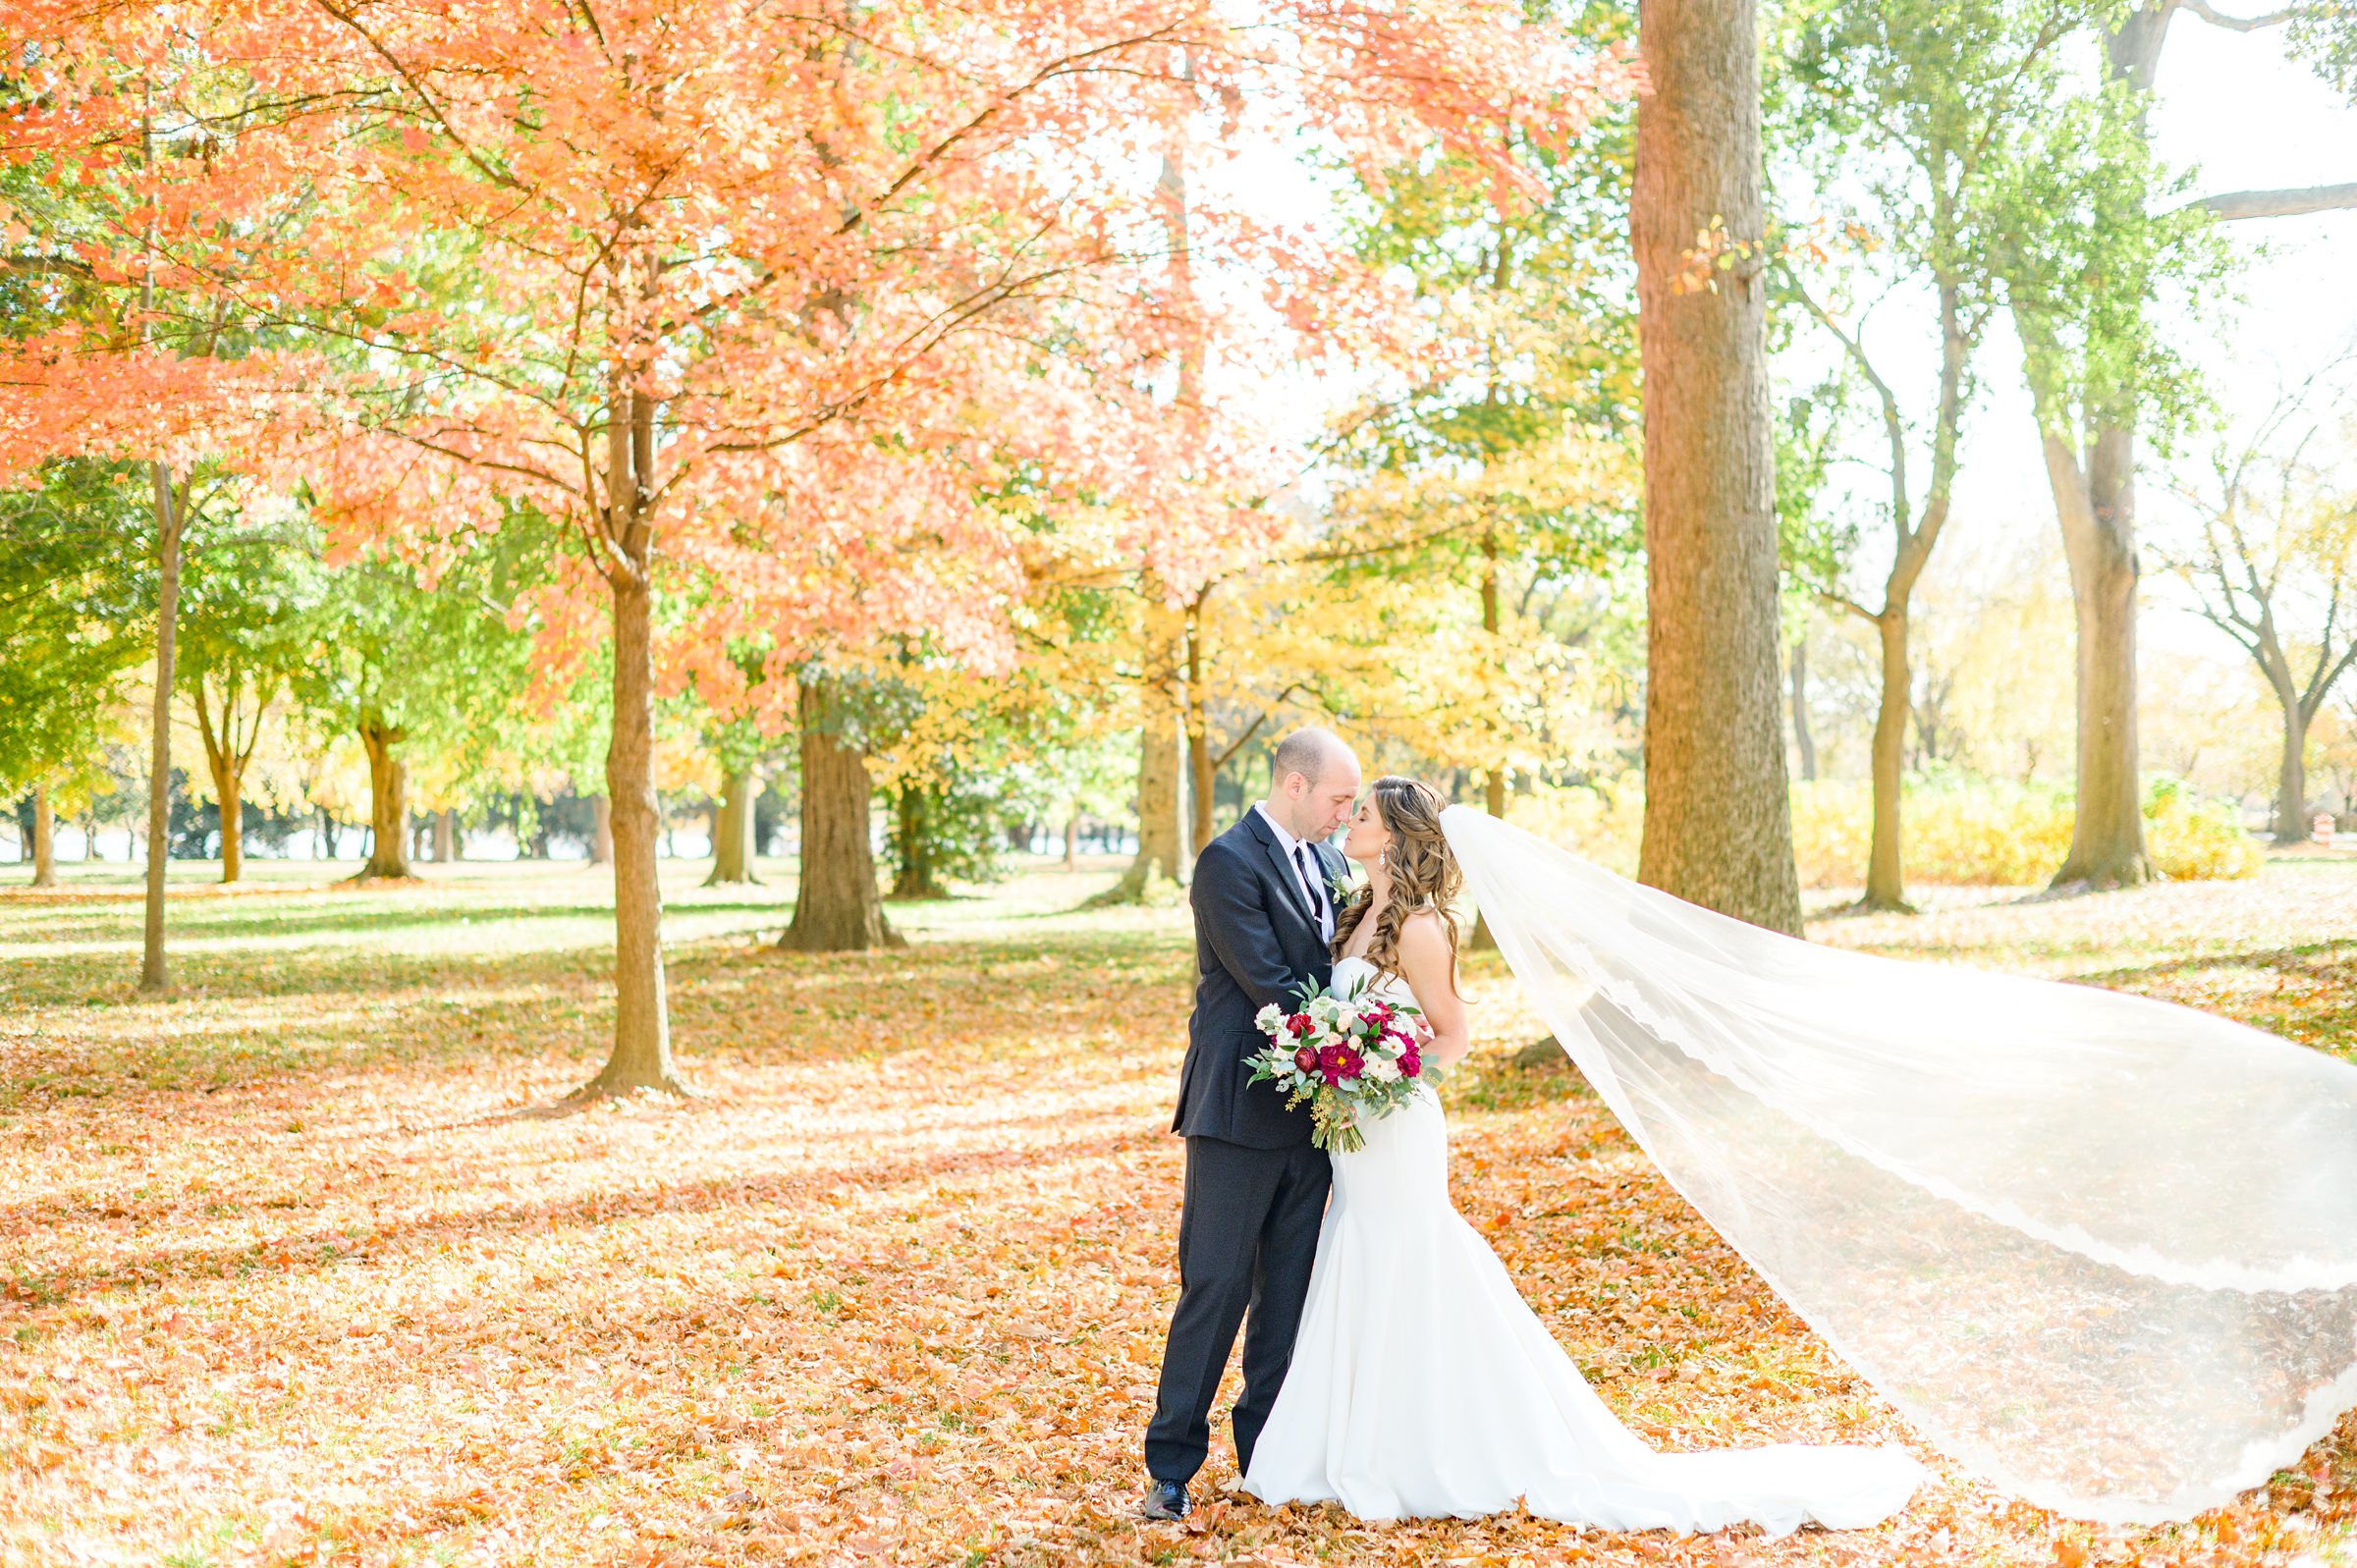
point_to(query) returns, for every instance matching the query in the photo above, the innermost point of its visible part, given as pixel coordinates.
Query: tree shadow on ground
(221, 921)
(785, 1191)
(2312, 998)
(731, 1001)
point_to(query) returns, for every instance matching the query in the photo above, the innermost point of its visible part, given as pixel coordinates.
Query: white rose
(1268, 1019)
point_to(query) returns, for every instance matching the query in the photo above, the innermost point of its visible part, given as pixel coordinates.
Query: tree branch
(1894, 426)
(2321, 685)
(1253, 728)
(1833, 601)
(265, 692)
(204, 725)
(2203, 10)
(2229, 206)
(350, 18)
(67, 265)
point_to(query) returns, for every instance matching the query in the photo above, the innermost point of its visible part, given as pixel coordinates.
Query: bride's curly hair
(1423, 869)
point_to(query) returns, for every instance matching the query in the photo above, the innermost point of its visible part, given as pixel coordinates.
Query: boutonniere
(1339, 887)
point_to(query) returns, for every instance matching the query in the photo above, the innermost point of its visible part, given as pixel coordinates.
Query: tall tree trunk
(1886, 887)
(1493, 791)
(45, 840)
(1802, 740)
(1718, 821)
(221, 764)
(836, 906)
(2097, 507)
(732, 828)
(1071, 841)
(913, 835)
(1493, 800)
(229, 790)
(445, 836)
(387, 800)
(2291, 777)
(1915, 538)
(1493, 622)
(601, 830)
(1201, 777)
(154, 976)
(625, 531)
(1158, 859)
(225, 755)
(641, 1055)
(1165, 669)
(1199, 769)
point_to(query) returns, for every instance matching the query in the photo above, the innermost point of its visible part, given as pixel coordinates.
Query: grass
(285, 1277)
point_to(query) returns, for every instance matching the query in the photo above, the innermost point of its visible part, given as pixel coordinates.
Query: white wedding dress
(1422, 1387)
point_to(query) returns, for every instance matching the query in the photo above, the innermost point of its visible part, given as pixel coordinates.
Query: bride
(1420, 1385)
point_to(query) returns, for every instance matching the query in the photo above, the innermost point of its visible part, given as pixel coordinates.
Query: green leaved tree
(76, 597)
(1909, 122)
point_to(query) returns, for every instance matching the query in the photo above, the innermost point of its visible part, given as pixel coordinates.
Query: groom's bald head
(1308, 751)
(1313, 782)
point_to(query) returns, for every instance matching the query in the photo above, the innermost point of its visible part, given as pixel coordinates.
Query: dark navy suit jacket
(1256, 942)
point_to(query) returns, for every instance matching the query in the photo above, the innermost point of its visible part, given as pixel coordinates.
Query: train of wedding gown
(1422, 1386)
(2100, 1249)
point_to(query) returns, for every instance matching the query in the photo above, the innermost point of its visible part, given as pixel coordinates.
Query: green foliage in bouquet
(1343, 1052)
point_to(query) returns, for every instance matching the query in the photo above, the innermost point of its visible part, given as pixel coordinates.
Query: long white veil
(2099, 1248)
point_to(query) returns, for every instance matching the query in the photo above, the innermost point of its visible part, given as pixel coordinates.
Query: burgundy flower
(1298, 1023)
(1411, 1062)
(1305, 1059)
(1349, 1061)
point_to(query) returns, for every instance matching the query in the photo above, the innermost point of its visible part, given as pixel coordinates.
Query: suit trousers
(1247, 1236)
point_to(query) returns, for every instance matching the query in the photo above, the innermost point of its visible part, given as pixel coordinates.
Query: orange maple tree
(747, 293)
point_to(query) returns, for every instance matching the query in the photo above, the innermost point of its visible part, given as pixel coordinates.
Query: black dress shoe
(1165, 1500)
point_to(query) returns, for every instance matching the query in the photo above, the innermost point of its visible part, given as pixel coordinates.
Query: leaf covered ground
(292, 1271)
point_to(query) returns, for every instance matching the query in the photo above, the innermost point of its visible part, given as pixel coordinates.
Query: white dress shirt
(1309, 870)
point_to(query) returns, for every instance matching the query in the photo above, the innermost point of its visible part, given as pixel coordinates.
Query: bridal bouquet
(1347, 1053)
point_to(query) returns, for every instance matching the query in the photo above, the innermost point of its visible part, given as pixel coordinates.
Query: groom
(1255, 1185)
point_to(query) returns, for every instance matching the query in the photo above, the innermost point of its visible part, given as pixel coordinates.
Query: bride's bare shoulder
(1423, 930)
(1427, 958)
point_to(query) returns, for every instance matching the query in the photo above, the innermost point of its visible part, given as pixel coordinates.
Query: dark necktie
(1309, 883)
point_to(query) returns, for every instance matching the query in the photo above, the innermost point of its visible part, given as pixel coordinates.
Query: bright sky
(2231, 105)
